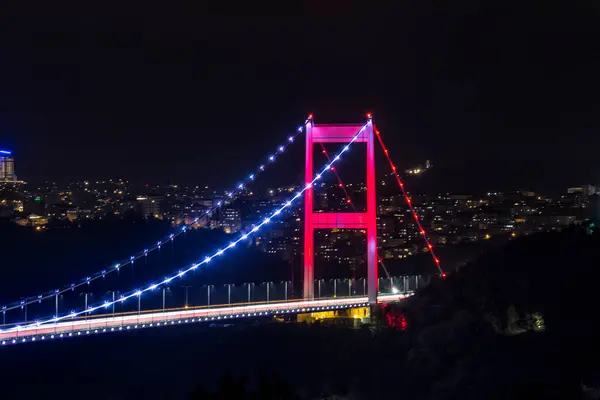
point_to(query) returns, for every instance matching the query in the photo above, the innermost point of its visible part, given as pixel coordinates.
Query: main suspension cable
(138, 292)
(231, 195)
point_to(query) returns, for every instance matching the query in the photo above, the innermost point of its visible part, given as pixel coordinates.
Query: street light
(186, 295)
(56, 302)
(24, 307)
(113, 292)
(86, 294)
(208, 294)
(228, 293)
(249, 291)
(164, 290)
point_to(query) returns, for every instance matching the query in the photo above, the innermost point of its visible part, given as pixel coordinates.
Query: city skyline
(423, 179)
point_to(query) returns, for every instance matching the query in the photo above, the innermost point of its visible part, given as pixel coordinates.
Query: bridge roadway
(155, 318)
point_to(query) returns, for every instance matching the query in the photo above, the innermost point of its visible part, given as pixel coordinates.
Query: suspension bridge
(275, 300)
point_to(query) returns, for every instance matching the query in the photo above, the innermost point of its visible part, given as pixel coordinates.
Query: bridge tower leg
(367, 220)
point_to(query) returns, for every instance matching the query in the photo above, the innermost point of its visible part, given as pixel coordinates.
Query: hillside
(519, 322)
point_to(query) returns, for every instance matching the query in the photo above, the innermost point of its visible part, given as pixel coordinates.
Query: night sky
(497, 97)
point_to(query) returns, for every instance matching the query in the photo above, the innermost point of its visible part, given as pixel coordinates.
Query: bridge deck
(128, 321)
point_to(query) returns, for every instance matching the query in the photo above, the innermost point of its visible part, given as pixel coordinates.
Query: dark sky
(504, 96)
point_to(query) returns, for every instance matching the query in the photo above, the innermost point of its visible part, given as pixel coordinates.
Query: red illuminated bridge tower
(342, 133)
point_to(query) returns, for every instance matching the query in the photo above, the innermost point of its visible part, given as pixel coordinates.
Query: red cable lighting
(340, 183)
(408, 201)
(349, 200)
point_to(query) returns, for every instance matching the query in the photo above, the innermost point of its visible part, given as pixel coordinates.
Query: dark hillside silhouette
(520, 322)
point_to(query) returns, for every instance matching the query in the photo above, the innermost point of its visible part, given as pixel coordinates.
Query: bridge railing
(197, 295)
(154, 318)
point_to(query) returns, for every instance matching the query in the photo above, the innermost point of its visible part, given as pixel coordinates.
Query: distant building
(527, 193)
(580, 196)
(7, 167)
(594, 209)
(34, 220)
(585, 190)
(419, 169)
(548, 221)
(232, 220)
(150, 205)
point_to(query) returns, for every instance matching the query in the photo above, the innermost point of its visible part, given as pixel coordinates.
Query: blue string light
(138, 292)
(231, 194)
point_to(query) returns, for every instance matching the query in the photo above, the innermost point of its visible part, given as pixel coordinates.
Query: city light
(157, 246)
(138, 292)
(410, 205)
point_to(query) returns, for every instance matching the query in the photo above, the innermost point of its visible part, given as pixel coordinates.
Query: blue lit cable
(180, 274)
(231, 195)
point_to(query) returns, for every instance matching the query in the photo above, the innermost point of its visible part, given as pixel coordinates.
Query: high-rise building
(232, 220)
(7, 167)
(584, 190)
(150, 205)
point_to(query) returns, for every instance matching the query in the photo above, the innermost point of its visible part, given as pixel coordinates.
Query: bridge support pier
(366, 221)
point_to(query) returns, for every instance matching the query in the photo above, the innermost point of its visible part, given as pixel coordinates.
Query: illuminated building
(7, 167)
(232, 220)
(150, 205)
(34, 220)
(419, 169)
